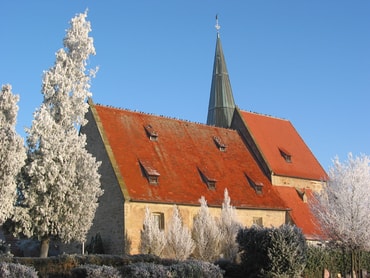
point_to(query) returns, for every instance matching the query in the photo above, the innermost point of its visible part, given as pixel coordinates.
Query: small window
(159, 219)
(286, 155)
(258, 221)
(149, 172)
(257, 186)
(151, 133)
(210, 182)
(220, 145)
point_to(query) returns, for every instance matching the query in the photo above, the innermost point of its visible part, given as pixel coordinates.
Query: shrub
(5, 249)
(230, 268)
(189, 269)
(144, 270)
(196, 269)
(273, 252)
(10, 270)
(95, 271)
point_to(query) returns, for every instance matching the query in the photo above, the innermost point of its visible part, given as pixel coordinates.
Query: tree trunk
(44, 249)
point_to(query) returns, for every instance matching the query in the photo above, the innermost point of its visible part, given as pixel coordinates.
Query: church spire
(221, 101)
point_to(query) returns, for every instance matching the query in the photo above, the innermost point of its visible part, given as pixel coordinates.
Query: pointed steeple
(221, 101)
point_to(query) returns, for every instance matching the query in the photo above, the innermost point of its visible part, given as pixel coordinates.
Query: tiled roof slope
(182, 153)
(301, 214)
(273, 135)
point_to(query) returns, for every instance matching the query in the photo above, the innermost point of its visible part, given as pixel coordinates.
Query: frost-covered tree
(179, 244)
(206, 234)
(229, 227)
(61, 184)
(343, 206)
(152, 238)
(12, 151)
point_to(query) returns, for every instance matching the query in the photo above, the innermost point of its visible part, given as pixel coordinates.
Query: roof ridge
(157, 115)
(266, 115)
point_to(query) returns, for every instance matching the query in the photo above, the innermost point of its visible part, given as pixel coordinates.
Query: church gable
(282, 147)
(183, 162)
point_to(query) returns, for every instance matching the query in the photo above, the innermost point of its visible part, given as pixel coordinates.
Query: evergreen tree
(179, 244)
(61, 183)
(12, 151)
(152, 238)
(229, 227)
(206, 234)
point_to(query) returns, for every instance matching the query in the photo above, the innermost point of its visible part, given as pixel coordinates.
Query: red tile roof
(301, 214)
(274, 136)
(181, 154)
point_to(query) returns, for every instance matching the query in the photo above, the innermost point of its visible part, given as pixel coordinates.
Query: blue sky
(305, 61)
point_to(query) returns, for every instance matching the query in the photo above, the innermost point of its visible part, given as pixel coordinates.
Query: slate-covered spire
(221, 101)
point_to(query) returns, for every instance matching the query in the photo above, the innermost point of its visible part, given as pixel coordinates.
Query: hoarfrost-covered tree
(229, 227)
(179, 244)
(343, 207)
(206, 234)
(61, 184)
(12, 151)
(152, 238)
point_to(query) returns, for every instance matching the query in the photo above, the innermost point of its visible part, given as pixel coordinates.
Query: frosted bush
(11, 270)
(5, 249)
(96, 271)
(195, 269)
(188, 269)
(146, 270)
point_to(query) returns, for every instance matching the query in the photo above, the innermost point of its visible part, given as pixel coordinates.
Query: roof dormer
(286, 155)
(220, 145)
(207, 179)
(302, 194)
(149, 172)
(256, 185)
(151, 133)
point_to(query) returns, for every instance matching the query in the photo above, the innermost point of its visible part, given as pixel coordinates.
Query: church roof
(282, 147)
(221, 101)
(167, 160)
(300, 213)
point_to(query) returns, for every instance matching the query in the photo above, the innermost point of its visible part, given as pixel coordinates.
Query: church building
(156, 162)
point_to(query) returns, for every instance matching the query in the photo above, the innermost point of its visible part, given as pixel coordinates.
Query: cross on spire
(217, 26)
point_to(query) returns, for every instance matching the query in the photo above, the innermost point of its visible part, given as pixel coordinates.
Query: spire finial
(217, 26)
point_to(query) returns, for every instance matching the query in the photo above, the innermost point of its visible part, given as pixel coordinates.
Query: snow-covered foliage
(179, 244)
(66, 85)
(12, 151)
(229, 227)
(206, 234)
(152, 238)
(96, 271)
(61, 183)
(188, 269)
(5, 249)
(11, 270)
(343, 207)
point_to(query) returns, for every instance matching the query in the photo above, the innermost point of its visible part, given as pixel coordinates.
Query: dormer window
(286, 155)
(302, 194)
(206, 178)
(257, 186)
(151, 133)
(149, 172)
(220, 145)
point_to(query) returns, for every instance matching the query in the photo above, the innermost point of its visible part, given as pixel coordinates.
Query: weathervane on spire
(217, 26)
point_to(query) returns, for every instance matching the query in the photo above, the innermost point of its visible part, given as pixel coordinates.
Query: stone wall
(296, 183)
(109, 216)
